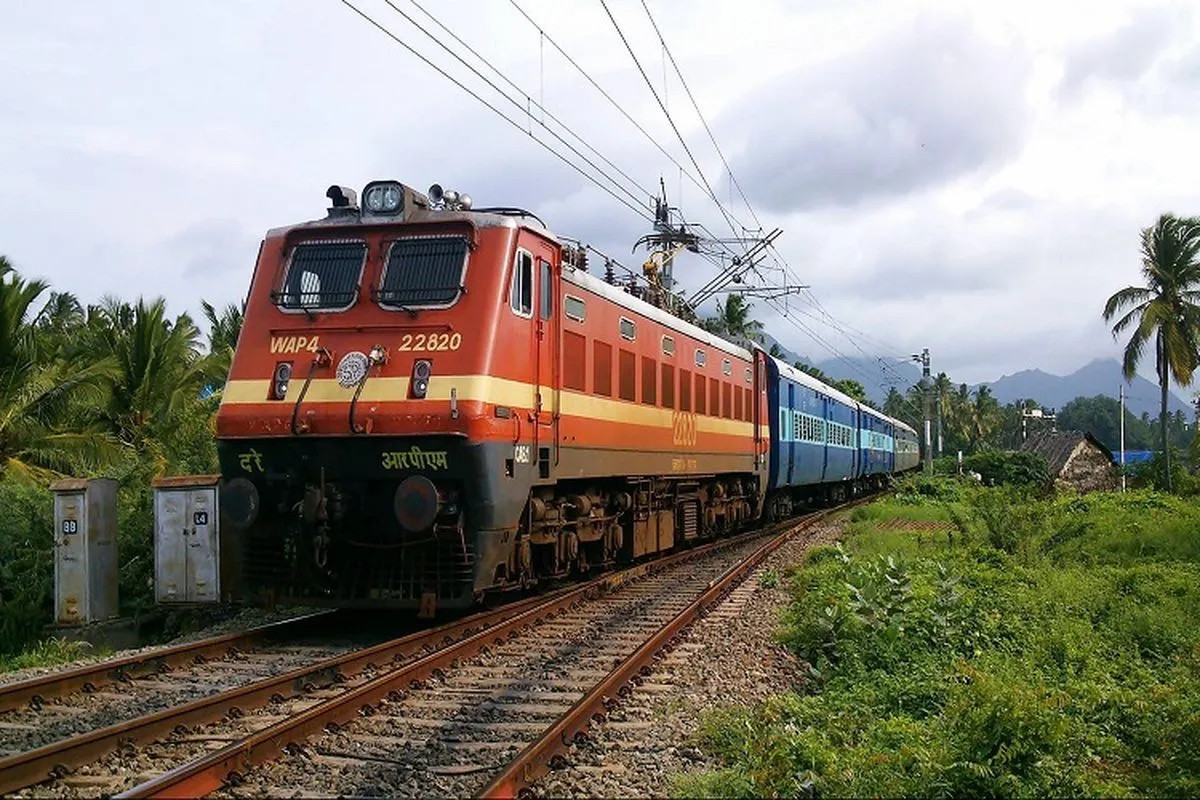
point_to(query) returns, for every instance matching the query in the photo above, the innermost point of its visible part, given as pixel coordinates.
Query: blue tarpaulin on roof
(1134, 456)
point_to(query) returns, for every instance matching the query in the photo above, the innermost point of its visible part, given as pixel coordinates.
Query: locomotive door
(546, 378)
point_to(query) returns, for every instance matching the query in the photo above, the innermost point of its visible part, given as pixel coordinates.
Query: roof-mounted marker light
(342, 196)
(383, 197)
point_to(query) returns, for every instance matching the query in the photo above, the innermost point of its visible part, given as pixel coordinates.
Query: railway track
(486, 703)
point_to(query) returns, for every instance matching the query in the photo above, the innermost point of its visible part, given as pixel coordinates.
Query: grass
(1044, 647)
(49, 653)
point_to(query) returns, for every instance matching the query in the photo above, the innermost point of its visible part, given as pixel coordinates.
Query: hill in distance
(1101, 376)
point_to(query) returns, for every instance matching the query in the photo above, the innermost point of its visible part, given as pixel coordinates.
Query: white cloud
(971, 179)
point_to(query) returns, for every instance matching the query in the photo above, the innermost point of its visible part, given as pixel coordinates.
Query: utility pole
(1121, 392)
(939, 424)
(923, 360)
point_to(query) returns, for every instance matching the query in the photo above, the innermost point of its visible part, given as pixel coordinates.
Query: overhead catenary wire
(537, 103)
(529, 100)
(607, 95)
(616, 184)
(729, 219)
(641, 212)
(711, 137)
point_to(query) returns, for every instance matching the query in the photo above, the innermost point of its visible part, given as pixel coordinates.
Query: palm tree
(1166, 308)
(733, 319)
(224, 327)
(42, 428)
(158, 368)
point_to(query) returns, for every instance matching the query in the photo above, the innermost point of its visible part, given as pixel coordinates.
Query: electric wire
(429, 62)
(497, 89)
(633, 181)
(606, 95)
(687, 90)
(650, 85)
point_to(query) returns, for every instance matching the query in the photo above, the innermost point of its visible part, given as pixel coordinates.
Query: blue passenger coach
(813, 438)
(825, 445)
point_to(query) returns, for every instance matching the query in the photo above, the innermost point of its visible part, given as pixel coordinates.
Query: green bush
(26, 563)
(1009, 468)
(1047, 656)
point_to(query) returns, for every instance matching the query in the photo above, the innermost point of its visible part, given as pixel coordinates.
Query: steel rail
(118, 670)
(541, 756)
(57, 758)
(210, 772)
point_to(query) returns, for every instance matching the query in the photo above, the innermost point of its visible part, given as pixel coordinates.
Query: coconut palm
(224, 327)
(1166, 309)
(158, 368)
(44, 429)
(733, 319)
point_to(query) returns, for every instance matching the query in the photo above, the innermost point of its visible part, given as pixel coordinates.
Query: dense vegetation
(117, 389)
(1030, 647)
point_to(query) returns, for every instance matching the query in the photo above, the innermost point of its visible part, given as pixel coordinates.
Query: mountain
(1101, 376)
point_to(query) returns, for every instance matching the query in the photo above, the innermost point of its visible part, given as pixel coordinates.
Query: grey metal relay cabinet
(85, 550)
(187, 541)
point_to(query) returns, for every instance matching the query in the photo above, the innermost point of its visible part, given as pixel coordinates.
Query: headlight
(383, 198)
(279, 381)
(422, 370)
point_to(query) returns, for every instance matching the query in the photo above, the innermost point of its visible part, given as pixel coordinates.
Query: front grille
(322, 276)
(424, 271)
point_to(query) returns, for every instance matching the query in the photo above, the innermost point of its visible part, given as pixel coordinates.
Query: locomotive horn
(436, 195)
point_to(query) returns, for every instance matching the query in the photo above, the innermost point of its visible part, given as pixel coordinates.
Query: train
(431, 403)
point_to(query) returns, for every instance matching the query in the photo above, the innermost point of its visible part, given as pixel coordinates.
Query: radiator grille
(323, 276)
(424, 271)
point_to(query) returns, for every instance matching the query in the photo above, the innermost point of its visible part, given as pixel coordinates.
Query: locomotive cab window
(521, 292)
(547, 286)
(322, 276)
(628, 329)
(668, 346)
(423, 271)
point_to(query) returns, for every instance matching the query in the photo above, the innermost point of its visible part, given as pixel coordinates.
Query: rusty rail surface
(210, 772)
(57, 758)
(541, 756)
(117, 670)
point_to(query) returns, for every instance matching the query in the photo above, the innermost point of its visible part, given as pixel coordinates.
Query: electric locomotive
(430, 401)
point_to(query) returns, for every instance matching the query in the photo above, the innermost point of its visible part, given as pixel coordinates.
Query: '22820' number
(431, 341)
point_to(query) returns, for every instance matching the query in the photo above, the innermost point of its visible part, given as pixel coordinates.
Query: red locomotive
(431, 401)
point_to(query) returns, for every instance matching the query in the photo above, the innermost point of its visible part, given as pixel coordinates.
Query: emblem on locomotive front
(352, 369)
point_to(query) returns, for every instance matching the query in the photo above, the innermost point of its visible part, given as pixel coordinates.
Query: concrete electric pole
(1121, 394)
(923, 360)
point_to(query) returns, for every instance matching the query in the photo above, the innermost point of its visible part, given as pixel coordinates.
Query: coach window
(574, 308)
(628, 329)
(521, 294)
(701, 358)
(668, 346)
(547, 287)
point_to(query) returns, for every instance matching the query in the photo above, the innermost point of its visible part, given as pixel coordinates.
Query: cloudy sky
(968, 177)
